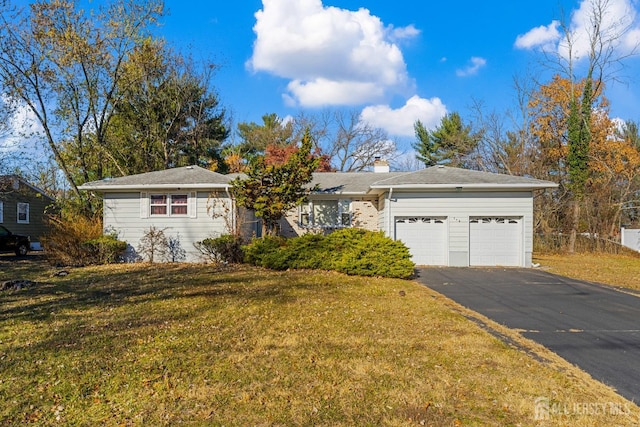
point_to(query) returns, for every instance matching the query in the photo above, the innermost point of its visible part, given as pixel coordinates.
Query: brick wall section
(365, 215)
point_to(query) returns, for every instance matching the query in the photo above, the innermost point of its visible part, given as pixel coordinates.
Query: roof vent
(189, 167)
(440, 166)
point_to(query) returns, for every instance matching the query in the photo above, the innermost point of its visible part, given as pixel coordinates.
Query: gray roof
(353, 183)
(447, 177)
(349, 182)
(7, 183)
(182, 177)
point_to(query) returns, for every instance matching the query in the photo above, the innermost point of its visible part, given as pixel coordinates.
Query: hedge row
(351, 251)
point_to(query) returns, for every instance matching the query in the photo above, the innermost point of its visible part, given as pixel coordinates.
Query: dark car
(16, 243)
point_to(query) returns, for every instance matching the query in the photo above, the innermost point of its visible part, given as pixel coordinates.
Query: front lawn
(142, 344)
(621, 270)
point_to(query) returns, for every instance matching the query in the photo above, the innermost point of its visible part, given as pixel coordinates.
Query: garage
(495, 241)
(446, 216)
(426, 238)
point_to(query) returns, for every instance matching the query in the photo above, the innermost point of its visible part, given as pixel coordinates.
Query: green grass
(194, 344)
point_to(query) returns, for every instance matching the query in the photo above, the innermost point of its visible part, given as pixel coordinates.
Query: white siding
(382, 209)
(458, 207)
(126, 215)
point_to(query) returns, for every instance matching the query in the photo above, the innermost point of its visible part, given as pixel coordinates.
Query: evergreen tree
(449, 144)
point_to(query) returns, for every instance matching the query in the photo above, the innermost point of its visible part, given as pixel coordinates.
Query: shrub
(308, 251)
(261, 251)
(364, 253)
(64, 242)
(226, 248)
(105, 249)
(154, 245)
(351, 251)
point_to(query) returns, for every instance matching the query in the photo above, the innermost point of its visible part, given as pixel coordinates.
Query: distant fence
(630, 238)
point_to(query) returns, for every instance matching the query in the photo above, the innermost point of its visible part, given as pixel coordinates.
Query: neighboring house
(446, 216)
(630, 237)
(23, 207)
(188, 204)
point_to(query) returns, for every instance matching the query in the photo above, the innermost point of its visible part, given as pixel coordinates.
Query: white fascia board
(465, 186)
(153, 187)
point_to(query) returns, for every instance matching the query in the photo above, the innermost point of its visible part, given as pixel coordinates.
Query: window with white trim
(325, 214)
(179, 205)
(23, 213)
(168, 204)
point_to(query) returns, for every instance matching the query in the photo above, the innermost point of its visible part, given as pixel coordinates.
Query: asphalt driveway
(593, 326)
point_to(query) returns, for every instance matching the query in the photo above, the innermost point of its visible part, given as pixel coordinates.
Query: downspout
(389, 219)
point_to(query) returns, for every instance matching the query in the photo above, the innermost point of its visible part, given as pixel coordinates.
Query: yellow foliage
(613, 161)
(63, 243)
(235, 162)
(549, 108)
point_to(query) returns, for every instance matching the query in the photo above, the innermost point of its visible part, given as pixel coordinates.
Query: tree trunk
(575, 218)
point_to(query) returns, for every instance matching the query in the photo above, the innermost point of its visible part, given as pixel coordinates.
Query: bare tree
(356, 144)
(406, 162)
(506, 145)
(5, 133)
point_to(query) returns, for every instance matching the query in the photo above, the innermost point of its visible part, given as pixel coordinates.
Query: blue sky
(395, 62)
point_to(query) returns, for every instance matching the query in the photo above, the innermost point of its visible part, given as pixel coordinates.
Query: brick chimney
(380, 166)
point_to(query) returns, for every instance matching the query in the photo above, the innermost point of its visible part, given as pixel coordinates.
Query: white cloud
(475, 64)
(332, 56)
(313, 93)
(542, 36)
(618, 17)
(402, 33)
(399, 122)
(21, 129)
(631, 40)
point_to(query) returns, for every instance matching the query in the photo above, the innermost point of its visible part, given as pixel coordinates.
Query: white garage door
(426, 238)
(495, 241)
